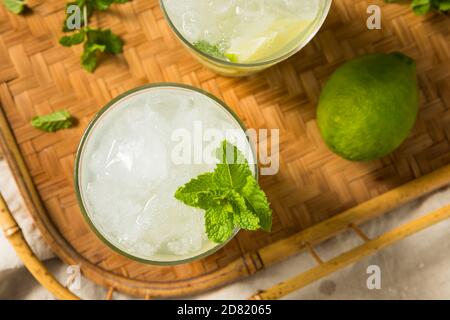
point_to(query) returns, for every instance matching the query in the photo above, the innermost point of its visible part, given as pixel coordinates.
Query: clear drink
(127, 170)
(238, 37)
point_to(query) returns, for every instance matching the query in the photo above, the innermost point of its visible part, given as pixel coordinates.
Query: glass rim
(315, 29)
(77, 170)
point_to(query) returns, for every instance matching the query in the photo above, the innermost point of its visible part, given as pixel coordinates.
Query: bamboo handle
(363, 212)
(15, 236)
(370, 247)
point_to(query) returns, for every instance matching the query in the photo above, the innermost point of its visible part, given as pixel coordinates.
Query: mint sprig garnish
(230, 196)
(15, 6)
(96, 41)
(53, 122)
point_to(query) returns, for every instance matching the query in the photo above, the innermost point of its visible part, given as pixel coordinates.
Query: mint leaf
(99, 41)
(95, 41)
(15, 6)
(113, 44)
(257, 201)
(89, 56)
(197, 192)
(104, 4)
(101, 4)
(219, 223)
(73, 39)
(233, 169)
(444, 5)
(53, 122)
(230, 196)
(422, 7)
(243, 216)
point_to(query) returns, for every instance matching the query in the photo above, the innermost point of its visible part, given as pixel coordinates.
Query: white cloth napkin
(8, 258)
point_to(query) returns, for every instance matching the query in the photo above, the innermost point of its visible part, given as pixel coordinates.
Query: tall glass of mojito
(133, 156)
(240, 37)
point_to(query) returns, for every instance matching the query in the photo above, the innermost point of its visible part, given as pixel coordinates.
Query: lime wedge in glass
(268, 43)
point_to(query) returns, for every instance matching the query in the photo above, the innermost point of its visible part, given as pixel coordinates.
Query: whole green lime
(369, 106)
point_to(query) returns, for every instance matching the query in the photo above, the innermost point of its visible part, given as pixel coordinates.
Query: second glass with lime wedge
(239, 37)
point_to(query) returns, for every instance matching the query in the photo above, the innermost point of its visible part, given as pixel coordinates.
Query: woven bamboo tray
(315, 195)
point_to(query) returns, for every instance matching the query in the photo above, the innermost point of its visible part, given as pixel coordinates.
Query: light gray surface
(415, 268)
